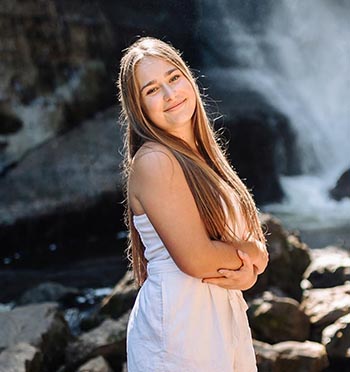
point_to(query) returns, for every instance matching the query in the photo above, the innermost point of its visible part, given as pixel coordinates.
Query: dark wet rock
(266, 357)
(336, 338)
(66, 190)
(275, 319)
(21, 357)
(87, 273)
(324, 306)
(63, 74)
(107, 340)
(301, 356)
(47, 292)
(41, 326)
(330, 267)
(261, 140)
(122, 297)
(98, 364)
(342, 188)
(288, 259)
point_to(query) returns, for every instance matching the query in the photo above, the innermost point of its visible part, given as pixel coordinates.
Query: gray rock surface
(342, 188)
(336, 338)
(329, 268)
(301, 356)
(275, 319)
(122, 297)
(98, 364)
(66, 49)
(324, 306)
(40, 325)
(266, 357)
(47, 292)
(107, 340)
(288, 259)
(21, 357)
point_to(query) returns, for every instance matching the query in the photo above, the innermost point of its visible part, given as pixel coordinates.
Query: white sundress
(179, 324)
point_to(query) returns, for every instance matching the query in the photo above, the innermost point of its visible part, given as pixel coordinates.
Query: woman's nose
(169, 92)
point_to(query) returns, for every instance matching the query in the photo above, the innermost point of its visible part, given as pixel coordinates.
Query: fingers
(221, 282)
(247, 265)
(246, 260)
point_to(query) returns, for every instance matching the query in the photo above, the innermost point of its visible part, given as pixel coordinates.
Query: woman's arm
(158, 182)
(243, 278)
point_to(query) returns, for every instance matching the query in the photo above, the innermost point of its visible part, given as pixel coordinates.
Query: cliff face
(59, 61)
(53, 70)
(58, 66)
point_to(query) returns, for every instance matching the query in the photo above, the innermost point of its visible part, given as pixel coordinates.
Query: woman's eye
(175, 77)
(150, 91)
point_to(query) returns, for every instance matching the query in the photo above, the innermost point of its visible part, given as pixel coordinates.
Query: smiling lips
(174, 107)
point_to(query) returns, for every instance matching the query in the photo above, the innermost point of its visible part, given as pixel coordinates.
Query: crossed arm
(158, 183)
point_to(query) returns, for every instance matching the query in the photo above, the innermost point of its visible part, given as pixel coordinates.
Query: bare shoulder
(154, 165)
(153, 159)
(152, 151)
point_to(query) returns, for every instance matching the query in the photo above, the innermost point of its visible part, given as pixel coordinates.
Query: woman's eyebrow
(154, 81)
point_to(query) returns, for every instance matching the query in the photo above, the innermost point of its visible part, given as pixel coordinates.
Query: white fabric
(179, 324)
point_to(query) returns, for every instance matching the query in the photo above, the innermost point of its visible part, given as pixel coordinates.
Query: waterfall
(297, 55)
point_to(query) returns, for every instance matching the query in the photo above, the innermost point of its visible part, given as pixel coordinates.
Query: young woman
(195, 238)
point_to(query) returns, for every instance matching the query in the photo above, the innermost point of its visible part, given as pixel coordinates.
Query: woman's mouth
(175, 106)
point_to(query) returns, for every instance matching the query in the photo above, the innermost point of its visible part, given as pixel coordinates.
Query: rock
(97, 364)
(47, 292)
(301, 356)
(21, 357)
(330, 267)
(52, 53)
(65, 188)
(86, 273)
(274, 319)
(122, 297)
(342, 188)
(289, 258)
(336, 338)
(41, 326)
(107, 340)
(266, 357)
(260, 138)
(324, 306)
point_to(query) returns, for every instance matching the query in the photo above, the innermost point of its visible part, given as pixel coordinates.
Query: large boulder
(41, 326)
(336, 338)
(290, 356)
(47, 292)
(21, 357)
(122, 297)
(275, 319)
(301, 356)
(260, 138)
(266, 356)
(342, 188)
(324, 306)
(54, 72)
(330, 267)
(64, 189)
(98, 364)
(107, 340)
(288, 260)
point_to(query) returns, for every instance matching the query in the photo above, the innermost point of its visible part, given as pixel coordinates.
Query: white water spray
(300, 62)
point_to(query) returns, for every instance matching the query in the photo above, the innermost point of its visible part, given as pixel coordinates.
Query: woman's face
(167, 97)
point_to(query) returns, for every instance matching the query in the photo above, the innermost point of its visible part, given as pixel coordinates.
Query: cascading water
(298, 57)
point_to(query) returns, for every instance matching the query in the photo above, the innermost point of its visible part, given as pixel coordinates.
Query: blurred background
(276, 79)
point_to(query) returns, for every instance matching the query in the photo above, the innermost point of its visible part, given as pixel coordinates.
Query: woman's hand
(243, 278)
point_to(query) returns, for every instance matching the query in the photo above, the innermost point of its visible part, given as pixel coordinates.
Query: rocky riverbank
(298, 311)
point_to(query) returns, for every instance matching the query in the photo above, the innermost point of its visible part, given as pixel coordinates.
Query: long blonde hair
(212, 183)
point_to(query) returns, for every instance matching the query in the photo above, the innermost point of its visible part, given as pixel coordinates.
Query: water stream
(297, 55)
